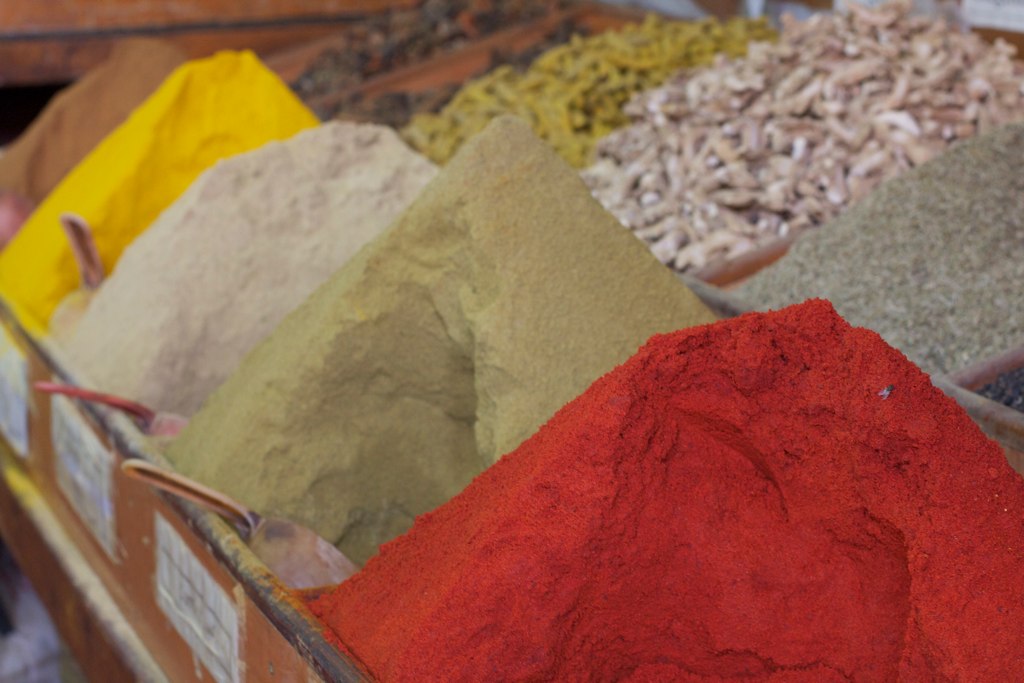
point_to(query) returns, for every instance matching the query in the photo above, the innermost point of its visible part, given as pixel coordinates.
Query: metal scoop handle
(143, 415)
(83, 246)
(242, 517)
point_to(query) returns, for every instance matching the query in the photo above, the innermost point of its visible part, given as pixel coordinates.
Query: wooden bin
(141, 586)
(1002, 423)
(728, 273)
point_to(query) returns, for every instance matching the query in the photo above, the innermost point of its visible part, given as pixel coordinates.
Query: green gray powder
(933, 260)
(499, 295)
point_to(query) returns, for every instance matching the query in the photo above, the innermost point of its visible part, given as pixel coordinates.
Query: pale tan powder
(246, 244)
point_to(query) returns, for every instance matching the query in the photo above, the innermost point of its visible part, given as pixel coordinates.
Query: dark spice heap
(933, 260)
(735, 502)
(497, 296)
(394, 108)
(387, 40)
(397, 108)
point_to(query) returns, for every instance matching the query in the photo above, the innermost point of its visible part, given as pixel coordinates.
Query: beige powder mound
(251, 239)
(499, 295)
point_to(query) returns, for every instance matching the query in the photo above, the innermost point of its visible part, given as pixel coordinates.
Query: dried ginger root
(726, 157)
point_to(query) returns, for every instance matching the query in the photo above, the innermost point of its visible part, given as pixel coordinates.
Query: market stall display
(780, 496)
(335, 362)
(500, 293)
(726, 159)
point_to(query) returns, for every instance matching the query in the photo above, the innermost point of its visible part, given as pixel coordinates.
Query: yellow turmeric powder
(208, 109)
(572, 95)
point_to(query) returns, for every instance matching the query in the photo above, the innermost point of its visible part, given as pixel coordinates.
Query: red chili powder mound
(738, 501)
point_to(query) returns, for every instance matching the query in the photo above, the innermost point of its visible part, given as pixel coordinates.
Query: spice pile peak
(498, 295)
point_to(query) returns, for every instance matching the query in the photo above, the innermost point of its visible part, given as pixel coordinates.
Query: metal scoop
(300, 557)
(149, 421)
(295, 553)
(83, 248)
(90, 272)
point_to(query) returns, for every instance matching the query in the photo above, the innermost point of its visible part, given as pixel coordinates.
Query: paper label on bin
(201, 611)
(1007, 15)
(84, 471)
(13, 394)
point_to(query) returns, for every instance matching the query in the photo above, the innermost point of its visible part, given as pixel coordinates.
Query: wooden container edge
(283, 609)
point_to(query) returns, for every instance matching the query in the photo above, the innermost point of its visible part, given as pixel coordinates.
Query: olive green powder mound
(501, 293)
(932, 260)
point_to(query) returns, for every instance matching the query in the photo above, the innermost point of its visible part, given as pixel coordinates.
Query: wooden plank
(91, 15)
(95, 631)
(26, 62)
(290, 63)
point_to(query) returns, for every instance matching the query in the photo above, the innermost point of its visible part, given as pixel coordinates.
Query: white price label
(13, 394)
(999, 14)
(199, 608)
(84, 466)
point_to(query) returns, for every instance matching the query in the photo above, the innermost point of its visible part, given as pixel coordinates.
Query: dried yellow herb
(573, 94)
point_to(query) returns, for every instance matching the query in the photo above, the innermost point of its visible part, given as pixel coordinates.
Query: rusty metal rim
(986, 370)
(1002, 423)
